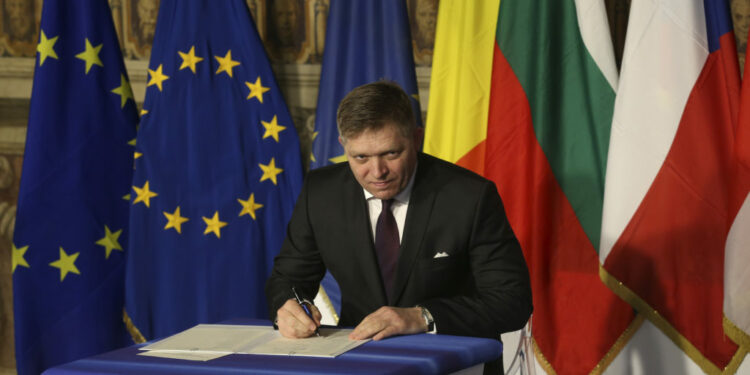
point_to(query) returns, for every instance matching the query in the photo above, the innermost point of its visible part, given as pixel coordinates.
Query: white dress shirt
(399, 207)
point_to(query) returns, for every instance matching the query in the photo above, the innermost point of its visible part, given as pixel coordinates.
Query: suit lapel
(358, 230)
(417, 217)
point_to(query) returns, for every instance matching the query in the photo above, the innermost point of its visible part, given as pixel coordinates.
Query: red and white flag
(737, 256)
(667, 208)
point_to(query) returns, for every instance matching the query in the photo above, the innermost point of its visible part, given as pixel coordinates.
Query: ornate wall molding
(299, 82)
(16, 74)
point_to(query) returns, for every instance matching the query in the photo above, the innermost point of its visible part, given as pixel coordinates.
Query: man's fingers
(359, 331)
(370, 325)
(389, 321)
(303, 318)
(363, 332)
(293, 322)
(290, 327)
(387, 332)
(300, 314)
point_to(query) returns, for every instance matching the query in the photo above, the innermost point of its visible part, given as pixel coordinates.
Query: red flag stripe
(572, 308)
(671, 252)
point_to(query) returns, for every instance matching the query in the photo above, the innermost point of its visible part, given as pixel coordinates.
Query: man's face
(383, 160)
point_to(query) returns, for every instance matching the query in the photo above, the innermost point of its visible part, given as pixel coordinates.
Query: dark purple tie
(387, 244)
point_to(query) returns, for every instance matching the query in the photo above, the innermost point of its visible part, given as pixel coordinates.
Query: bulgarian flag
(667, 208)
(525, 96)
(737, 257)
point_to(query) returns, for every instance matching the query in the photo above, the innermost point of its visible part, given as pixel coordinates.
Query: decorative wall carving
(19, 27)
(293, 30)
(138, 27)
(741, 20)
(10, 171)
(423, 19)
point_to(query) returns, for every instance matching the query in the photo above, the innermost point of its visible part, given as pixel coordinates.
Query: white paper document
(331, 343)
(208, 341)
(190, 356)
(222, 338)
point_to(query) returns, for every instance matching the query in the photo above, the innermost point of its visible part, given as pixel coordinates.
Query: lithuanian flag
(523, 93)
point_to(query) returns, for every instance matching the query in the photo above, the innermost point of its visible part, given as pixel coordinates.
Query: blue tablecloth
(414, 354)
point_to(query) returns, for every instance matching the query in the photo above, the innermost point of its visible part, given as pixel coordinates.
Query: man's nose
(379, 168)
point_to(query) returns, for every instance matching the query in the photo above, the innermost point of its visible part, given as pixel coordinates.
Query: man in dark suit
(416, 244)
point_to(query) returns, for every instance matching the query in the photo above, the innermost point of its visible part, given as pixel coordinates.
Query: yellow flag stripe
(461, 76)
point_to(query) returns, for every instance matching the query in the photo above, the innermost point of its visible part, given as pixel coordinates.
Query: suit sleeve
(500, 297)
(298, 264)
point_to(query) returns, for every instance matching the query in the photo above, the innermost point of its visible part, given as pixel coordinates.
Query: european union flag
(366, 41)
(71, 225)
(217, 172)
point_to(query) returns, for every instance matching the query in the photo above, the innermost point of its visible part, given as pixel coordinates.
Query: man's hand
(294, 323)
(388, 321)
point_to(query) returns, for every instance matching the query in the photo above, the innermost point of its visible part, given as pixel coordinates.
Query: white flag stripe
(651, 352)
(594, 27)
(665, 51)
(737, 270)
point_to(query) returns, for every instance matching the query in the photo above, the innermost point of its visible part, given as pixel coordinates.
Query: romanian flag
(72, 223)
(525, 97)
(667, 210)
(217, 172)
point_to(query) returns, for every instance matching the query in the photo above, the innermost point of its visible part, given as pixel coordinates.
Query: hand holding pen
(297, 319)
(306, 308)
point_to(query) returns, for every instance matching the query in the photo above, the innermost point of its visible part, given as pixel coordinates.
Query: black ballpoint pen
(306, 308)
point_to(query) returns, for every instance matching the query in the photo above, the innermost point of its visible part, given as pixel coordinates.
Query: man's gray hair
(372, 106)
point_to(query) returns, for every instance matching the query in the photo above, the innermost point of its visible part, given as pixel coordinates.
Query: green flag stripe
(571, 101)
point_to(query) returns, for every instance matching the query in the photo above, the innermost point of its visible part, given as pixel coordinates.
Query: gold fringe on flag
(134, 332)
(327, 302)
(737, 335)
(607, 359)
(659, 321)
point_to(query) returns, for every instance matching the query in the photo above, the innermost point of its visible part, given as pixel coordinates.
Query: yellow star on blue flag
(109, 241)
(18, 257)
(46, 48)
(90, 55)
(71, 228)
(66, 263)
(219, 120)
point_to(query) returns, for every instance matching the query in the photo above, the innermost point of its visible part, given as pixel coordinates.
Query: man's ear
(418, 137)
(341, 141)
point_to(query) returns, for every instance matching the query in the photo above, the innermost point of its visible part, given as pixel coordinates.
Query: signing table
(414, 354)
